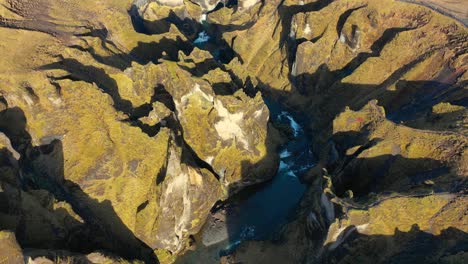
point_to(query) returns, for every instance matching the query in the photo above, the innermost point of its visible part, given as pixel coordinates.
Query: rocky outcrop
(380, 83)
(209, 5)
(10, 250)
(119, 135)
(41, 256)
(109, 137)
(395, 222)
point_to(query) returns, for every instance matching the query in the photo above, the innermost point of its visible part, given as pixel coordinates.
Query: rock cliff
(120, 129)
(109, 137)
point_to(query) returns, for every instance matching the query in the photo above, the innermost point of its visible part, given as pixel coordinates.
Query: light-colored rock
(10, 251)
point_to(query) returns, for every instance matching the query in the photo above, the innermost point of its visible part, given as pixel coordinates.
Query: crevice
(142, 206)
(376, 48)
(286, 14)
(344, 17)
(188, 152)
(93, 75)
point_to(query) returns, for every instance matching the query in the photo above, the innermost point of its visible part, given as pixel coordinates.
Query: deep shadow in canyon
(412, 246)
(41, 168)
(104, 229)
(409, 101)
(399, 103)
(190, 28)
(91, 74)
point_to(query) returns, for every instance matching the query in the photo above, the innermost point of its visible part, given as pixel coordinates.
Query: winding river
(260, 213)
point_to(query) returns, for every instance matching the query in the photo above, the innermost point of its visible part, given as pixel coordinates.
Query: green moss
(399, 213)
(195, 222)
(165, 257)
(443, 108)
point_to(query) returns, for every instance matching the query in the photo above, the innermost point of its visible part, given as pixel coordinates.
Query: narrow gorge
(248, 131)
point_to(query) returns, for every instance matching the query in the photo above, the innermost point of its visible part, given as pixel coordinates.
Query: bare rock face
(170, 2)
(183, 206)
(207, 5)
(228, 133)
(10, 250)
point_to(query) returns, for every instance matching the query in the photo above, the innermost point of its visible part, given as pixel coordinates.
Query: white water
(203, 18)
(202, 38)
(294, 125)
(285, 154)
(263, 213)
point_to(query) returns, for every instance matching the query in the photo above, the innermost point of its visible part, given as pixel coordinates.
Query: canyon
(250, 131)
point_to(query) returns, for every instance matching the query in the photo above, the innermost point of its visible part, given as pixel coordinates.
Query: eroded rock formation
(118, 134)
(110, 140)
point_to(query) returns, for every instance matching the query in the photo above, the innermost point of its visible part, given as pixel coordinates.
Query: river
(259, 213)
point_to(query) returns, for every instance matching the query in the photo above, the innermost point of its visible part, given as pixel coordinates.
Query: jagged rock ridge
(116, 130)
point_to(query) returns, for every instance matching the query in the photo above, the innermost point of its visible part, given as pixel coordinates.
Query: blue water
(259, 215)
(262, 214)
(202, 38)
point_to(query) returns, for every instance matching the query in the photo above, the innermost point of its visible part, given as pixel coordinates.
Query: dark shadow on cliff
(41, 168)
(388, 174)
(328, 96)
(164, 48)
(408, 101)
(452, 120)
(263, 200)
(324, 93)
(414, 246)
(287, 13)
(323, 78)
(202, 70)
(143, 53)
(403, 100)
(98, 76)
(268, 195)
(327, 108)
(385, 174)
(190, 28)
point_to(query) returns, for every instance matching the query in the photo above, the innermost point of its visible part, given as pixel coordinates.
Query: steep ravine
(259, 212)
(193, 131)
